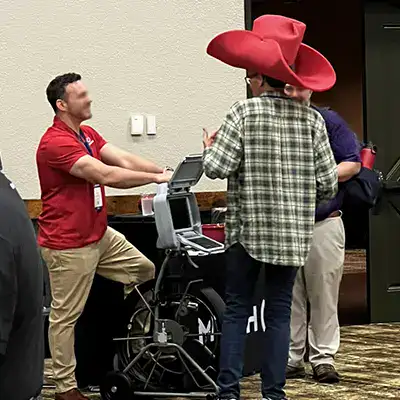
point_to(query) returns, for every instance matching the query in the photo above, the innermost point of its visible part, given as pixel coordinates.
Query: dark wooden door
(382, 107)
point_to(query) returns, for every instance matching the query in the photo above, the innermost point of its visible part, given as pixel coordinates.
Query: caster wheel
(116, 386)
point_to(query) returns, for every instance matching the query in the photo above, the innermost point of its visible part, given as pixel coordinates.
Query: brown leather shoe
(73, 394)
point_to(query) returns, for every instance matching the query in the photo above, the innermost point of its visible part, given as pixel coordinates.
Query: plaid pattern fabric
(276, 155)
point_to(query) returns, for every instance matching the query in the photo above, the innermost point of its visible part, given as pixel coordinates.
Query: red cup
(214, 231)
(368, 156)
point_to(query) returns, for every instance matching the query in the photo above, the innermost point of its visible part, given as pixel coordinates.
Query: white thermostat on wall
(137, 124)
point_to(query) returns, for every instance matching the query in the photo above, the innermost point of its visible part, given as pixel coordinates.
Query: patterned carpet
(369, 369)
(368, 363)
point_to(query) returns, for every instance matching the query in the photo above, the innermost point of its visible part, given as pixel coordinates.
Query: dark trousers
(242, 274)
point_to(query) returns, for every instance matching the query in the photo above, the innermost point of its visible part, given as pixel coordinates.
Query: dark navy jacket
(345, 147)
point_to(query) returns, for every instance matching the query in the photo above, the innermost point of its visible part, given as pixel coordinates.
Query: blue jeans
(242, 274)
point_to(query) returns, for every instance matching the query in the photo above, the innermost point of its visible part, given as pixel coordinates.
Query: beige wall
(145, 56)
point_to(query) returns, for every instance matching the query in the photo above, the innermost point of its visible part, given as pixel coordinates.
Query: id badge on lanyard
(98, 198)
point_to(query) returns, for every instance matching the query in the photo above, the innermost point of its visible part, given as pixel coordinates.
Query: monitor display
(180, 213)
(188, 171)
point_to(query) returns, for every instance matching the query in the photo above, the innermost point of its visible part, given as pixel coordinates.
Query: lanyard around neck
(82, 138)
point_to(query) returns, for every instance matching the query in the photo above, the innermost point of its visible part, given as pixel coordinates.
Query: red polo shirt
(69, 218)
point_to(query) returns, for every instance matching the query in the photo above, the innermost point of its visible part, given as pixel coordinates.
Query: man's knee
(148, 269)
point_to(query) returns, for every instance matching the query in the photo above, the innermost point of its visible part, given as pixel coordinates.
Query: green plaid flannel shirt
(276, 156)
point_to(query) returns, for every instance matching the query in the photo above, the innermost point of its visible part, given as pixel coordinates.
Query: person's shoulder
(49, 132)
(304, 111)
(5, 183)
(54, 133)
(315, 112)
(49, 142)
(293, 108)
(329, 115)
(239, 105)
(56, 136)
(237, 110)
(246, 107)
(11, 204)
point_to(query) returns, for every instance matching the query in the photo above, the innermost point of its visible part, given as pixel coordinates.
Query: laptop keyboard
(204, 242)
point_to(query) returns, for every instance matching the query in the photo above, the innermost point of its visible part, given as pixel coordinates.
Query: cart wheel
(116, 386)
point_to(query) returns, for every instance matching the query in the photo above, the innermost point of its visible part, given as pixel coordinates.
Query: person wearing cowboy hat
(323, 270)
(275, 153)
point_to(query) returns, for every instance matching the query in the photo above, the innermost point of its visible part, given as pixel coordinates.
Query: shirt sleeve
(325, 165)
(343, 140)
(223, 158)
(62, 152)
(8, 292)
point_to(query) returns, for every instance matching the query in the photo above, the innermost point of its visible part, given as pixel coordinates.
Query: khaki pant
(318, 282)
(71, 275)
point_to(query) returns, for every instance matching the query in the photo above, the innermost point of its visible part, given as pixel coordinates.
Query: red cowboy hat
(274, 48)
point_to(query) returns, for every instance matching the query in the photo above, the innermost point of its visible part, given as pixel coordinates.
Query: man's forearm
(122, 178)
(136, 163)
(347, 169)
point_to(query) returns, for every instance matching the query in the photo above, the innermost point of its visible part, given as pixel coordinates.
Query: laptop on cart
(176, 211)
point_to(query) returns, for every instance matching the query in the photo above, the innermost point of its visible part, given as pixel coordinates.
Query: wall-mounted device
(137, 124)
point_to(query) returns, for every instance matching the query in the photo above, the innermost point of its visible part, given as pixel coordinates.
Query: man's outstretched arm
(114, 156)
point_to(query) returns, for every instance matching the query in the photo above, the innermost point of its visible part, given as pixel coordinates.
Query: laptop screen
(188, 171)
(180, 213)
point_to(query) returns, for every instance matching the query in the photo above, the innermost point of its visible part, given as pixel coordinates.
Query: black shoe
(90, 389)
(326, 373)
(295, 372)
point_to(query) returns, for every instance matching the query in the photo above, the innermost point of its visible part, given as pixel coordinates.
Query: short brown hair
(56, 88)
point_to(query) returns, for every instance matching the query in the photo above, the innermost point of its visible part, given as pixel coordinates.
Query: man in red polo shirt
(74, 164)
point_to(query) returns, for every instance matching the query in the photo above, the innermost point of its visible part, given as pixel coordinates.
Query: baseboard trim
(117, 205)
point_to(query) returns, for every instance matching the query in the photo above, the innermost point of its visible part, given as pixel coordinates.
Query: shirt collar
(57, 123)
(274, 93)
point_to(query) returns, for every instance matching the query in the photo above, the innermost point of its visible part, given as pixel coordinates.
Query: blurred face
(298, 93)
(76, 102)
